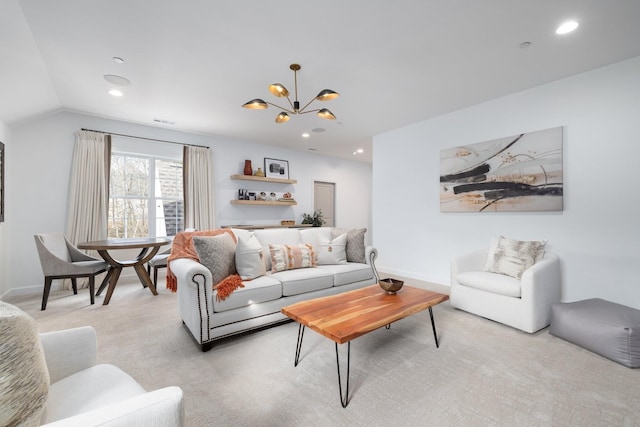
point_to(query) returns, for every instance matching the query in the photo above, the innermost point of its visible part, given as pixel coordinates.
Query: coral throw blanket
(183, 248)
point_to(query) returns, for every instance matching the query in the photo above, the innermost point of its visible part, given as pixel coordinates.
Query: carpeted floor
(483, 374)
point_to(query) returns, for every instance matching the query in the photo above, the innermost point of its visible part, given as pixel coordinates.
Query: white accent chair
(83, 393)
(524, 304)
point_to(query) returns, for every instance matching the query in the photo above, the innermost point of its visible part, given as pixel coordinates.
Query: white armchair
(85, 394)
(524, 304)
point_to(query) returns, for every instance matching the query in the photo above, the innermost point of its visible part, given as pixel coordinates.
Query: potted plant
(315, 219)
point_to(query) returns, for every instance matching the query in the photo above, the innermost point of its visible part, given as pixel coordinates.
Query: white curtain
(199, 210)
(89, 188)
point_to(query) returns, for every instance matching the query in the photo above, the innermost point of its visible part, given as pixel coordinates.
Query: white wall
(41, 156)
(5, 137)
(597, 235)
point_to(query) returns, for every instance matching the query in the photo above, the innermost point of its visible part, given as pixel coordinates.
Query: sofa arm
(69, 351)
(195, 289)
(158, 408)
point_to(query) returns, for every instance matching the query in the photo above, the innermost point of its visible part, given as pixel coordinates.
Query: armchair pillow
(513, 257)
(24, 384)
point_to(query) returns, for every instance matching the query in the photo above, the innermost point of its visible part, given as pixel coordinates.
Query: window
(145, 196)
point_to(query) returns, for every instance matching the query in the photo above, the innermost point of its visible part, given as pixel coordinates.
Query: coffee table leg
(433, 325)
(344, 400)
(299, 343)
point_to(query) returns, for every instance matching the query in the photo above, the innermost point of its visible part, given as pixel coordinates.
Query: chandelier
(280, 91)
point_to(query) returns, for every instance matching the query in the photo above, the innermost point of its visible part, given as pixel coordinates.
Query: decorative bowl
(391, 286)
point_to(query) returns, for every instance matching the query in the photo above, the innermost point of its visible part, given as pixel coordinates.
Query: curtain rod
(142, 137)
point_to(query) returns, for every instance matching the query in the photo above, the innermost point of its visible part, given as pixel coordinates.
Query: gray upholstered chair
(61, 260)
(157, 262)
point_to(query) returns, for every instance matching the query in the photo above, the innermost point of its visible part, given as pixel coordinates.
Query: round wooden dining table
(148, 246)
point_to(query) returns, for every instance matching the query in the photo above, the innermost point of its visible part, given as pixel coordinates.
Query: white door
(324, 199)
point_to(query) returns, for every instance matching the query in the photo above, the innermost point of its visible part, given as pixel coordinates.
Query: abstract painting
(517, 173)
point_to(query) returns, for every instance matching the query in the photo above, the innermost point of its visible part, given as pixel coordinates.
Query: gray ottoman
(606, 328)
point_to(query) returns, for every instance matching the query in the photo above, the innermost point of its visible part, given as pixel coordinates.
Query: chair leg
(92, 288)
(74, 285)
(155, 277)
(45, 293)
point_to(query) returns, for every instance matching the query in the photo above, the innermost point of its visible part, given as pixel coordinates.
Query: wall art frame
(276, 168)
(518, 173)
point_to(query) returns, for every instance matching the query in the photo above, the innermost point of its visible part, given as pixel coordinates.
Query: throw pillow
(332, 251)
(289, 257)
(249, 257)
(513, 257)
(355, 243)
(217, 253)
(24, 379)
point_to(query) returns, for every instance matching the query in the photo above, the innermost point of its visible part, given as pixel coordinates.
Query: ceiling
(195, 62)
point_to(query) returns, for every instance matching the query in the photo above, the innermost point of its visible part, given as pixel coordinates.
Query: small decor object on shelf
(259, 172)
(391, 286)
(287, 222)
(248, 170)
(315, 219)
(275, 168)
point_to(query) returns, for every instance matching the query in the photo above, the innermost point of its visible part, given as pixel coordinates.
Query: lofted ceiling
(195, 62)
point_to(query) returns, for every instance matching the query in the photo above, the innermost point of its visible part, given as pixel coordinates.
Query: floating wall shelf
(263, 179)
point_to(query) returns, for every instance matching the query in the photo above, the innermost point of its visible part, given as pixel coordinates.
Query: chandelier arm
(301, 111)
(292, 107)
(282, 108)
(310, 111)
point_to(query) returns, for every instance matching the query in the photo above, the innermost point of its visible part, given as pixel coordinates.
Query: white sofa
(524, 304)
(258, 303)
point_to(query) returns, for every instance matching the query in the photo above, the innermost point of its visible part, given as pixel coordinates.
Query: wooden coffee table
(348, 315)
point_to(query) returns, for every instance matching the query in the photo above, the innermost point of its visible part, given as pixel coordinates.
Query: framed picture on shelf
(274, 168)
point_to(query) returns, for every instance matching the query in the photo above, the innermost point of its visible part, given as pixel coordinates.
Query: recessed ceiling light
(359, 151)
(117, 80)
(118, 60)
(567, 27)
(317, 130)
(524, 45)
(115, 92)
(305, 135)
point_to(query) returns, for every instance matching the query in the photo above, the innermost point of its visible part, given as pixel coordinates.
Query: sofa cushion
(303, 280)
(355, 243)
(344, 274)
(261, 289)
(291, 257)
(24, 379)
(249, 257)
(491, 282)
(276, 236)
(92, 388)
(332, 251)
(513, 257)
(217, 253)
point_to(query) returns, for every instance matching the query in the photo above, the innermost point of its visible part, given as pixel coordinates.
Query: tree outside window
(145, 197)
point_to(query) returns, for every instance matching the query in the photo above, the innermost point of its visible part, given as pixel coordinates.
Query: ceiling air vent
(164, 122)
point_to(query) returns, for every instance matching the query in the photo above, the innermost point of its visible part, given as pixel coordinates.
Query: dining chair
(160, 260)
(61, 260)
